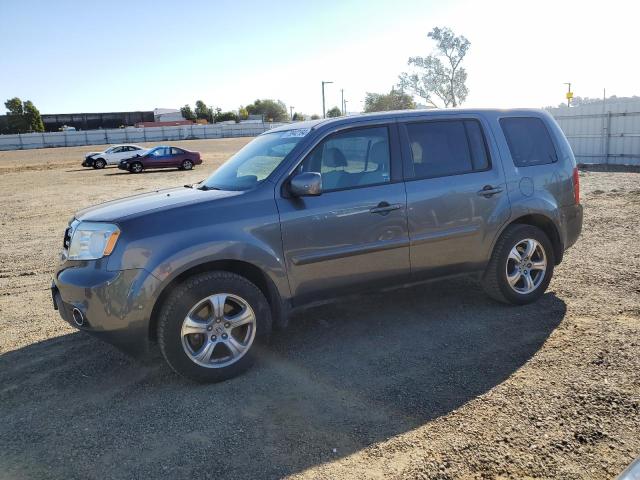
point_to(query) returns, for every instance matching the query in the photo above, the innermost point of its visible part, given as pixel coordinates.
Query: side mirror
(306, 184)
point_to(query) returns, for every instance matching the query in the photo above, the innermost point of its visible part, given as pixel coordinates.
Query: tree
(203, 112)
(383, 102)
(315, 116)
(298, 117)
(15, 116)
(440, 75)
(32, 117)
(187, 113)
(23, 117)
(225, 116)
(271, 110)
(242, 113)
(334, 112)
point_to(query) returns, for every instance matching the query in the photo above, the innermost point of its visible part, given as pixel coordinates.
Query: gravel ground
(434, 381)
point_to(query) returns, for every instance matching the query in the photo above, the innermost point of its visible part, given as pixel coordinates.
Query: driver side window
(351, 159)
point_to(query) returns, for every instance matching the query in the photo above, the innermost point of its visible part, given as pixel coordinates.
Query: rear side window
(529, 141)
(442, 148)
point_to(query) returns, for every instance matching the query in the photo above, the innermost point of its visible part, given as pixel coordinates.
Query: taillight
(576, 185)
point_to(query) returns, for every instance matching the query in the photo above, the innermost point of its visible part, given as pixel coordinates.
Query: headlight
(93, 240)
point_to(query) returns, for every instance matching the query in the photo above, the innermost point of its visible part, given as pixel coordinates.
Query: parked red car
(162, 157)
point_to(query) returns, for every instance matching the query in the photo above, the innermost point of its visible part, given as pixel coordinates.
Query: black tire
(99, 164)
(188, 294)
(494, 280)
(136, 167)
(187, 165)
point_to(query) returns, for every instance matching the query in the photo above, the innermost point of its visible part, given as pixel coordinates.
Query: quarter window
(355, 158)
(529, 141)
(441, 148)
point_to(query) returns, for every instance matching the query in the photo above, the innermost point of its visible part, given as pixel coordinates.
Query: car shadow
(144, 172)
(343, 377)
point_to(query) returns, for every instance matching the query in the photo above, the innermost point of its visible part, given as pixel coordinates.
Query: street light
(291, 113)
(324, 111)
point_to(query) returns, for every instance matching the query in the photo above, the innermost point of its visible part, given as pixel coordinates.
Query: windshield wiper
(205, 188)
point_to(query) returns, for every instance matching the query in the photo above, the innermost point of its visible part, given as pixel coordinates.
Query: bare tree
(440, 75)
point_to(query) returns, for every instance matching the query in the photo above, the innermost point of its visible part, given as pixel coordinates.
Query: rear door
(177, 157)
(456, 194)
(355, 233)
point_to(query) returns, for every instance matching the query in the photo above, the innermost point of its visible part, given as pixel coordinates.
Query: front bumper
(123, 166)
(114, 306)
(88, 162)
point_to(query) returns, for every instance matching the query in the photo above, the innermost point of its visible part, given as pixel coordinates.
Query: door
(177, 157)
(456, 195)
(112, 155)
(354, 234)
(158, 158)
(118, 154)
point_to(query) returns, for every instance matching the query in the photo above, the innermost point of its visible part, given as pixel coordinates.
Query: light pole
(569, 95)
(345, 106)
(291, 113)
(342, 95)
(324, 111)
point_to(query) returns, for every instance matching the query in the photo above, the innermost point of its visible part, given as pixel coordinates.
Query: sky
(78, 56)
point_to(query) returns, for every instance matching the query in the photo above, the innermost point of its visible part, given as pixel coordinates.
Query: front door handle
(488, 191)
(383, 208)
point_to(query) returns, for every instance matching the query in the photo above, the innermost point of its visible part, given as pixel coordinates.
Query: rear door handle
(384, 208)
(488, 191)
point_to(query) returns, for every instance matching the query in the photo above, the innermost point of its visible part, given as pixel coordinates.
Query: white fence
(131, 135)
(605, 133)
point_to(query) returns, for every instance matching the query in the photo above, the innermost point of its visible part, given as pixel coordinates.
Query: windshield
(255, 161)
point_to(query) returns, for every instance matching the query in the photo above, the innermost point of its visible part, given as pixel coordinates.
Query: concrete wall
(130, 135)
(606, 133)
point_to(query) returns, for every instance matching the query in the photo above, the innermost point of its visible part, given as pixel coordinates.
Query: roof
(435, 112)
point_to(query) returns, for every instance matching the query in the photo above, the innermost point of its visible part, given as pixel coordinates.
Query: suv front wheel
(209, 326)
(521, 265)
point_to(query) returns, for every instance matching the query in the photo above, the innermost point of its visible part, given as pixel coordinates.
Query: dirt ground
(435, 381)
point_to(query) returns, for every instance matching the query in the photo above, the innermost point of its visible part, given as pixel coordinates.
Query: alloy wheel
(526, 266)
(218, 330)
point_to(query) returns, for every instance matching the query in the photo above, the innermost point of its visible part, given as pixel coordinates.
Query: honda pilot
(316, 210)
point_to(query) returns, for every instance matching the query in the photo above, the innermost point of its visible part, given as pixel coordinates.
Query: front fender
(166, 243)
(260, 256)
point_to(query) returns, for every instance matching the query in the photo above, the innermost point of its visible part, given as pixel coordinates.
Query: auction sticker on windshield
(296, 133)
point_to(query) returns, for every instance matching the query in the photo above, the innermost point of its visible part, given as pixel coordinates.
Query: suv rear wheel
(521, 265)
(209, 326)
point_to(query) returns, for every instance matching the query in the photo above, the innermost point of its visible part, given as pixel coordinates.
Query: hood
(91, 154)
(150, 202)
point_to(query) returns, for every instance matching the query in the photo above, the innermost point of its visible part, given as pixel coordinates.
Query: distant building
(164, 124)
(167, 115)
(94, 121)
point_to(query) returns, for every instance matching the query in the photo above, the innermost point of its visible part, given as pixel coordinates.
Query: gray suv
(316, 210)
